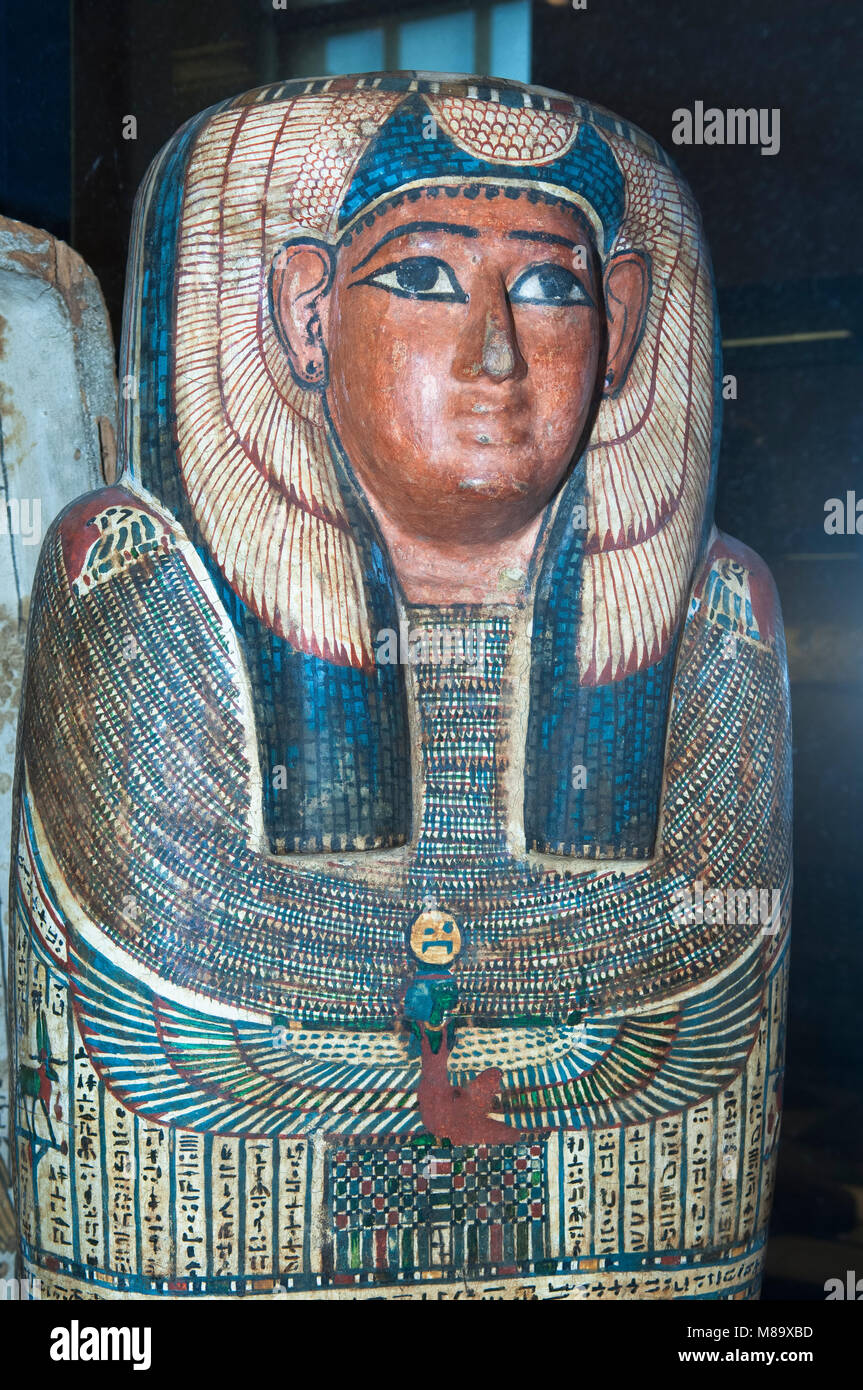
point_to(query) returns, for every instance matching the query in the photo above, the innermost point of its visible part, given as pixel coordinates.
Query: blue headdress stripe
(339, 734)
(402, 155)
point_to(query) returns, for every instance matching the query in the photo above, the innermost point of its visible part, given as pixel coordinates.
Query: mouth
(493, 434)
(506, 405)
(494, 424)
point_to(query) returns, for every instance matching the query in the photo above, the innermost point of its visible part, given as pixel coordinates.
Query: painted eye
(418, 277)
(548, 284)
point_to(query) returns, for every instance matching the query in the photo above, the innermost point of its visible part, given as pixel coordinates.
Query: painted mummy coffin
(58, 422)
(403, 859)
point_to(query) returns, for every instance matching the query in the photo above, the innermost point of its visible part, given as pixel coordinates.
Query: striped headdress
(251, 445)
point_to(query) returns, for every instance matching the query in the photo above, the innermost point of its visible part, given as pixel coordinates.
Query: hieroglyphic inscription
(577, 1213)
(667, 1184)
(191, 1219)
(636, 1192)
(154, 1189)
(753, 1135)
(225, 1206)
(607, 1189)
(729, 1121)
(291, 1213)
(700, 1139)
(88, 1166)
(119, 1124)
(258, 1253)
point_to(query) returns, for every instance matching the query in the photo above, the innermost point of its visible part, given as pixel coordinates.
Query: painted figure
(404, 865)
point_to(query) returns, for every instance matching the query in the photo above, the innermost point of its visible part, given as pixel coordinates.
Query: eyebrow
(550, 238)
(456, 228)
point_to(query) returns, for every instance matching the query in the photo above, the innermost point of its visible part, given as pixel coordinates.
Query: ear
(300, 280)
(627, 292)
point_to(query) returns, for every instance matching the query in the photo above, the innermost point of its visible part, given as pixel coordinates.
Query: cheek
(386, 367)
(568, 348)
(385, 404)
(365, 363)
(563, 367)
(372, 352)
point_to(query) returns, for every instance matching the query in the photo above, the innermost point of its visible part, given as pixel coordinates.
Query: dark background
(784, 231)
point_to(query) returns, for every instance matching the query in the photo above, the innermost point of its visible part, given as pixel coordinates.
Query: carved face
(462, 338)
(261, 300)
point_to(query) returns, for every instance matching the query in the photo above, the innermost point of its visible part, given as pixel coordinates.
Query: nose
(488, 344)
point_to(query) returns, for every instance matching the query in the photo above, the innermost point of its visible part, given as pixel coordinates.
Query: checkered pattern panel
(403, 1209)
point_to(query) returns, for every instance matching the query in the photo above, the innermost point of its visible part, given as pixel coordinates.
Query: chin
(496, 487)
(504, 472)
